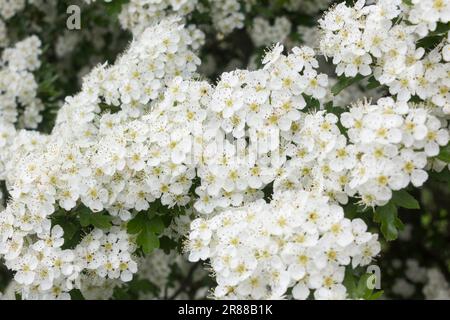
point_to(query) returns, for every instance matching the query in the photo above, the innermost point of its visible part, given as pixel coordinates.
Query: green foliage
(357, 285)
(148, 241)
(387, 216)
(98, 220)
(167, 244)
(113, 8)
(345, 82)
(70, 225)
(147, 227)
(403, 199)
(72, 231)
(134, 289)
(351, 211)
(373, 83)
(311, 103)
(435, 37)
(444, 155)
(442, 29)
(75, 294)
(443, 176)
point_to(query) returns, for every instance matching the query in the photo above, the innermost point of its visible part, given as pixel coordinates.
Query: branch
(186, 281)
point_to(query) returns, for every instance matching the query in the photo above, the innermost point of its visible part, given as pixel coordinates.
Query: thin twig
(186, 281)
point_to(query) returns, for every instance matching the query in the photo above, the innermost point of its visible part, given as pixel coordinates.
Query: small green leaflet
(72, 230)
(373, 83)
(443, 176)
(311, 102)
(387, 216)
(345, 82)
(76, 294)
(441, 29)
(114, 7)
(134, 288)
(444, 155)
(435, 37)
(167, 244)
(147, 228)
(403, 199)
(358, 288)
(98, 220)
(147, 240)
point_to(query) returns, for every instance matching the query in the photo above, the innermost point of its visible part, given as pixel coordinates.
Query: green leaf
(441, 29)
(362, 289)
(67, 224)
(444, 155)
(114, 7)
(156, 225)
(435, 37)
(373, 83)
(121, 294)
(147, 227)
(155, 207)
(357, 285)
(98, 220)
(311, 102)
(376, 295)
(443, 176)
(405, 200)
(75, 294)
(101, 221)
(167, 244)
(387, 216)
(85, 219)
(142, 285)
(133, 289)
(351, 211)
(148, 241)
(345, 82)
(136, 224)
(72, 230)
(142, 221)
(350, 282)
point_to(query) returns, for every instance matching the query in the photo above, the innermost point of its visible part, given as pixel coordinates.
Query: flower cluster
(139, 14)
(253, 110)
(381, 39)
(227, 15)
(392, 142)
(18, 86)
(93, 159)
(300, 241)
(437, 287)
(107, 255)
(264, 34)
(45, 271)
(306, 6)
(8, 8)
(19, 105)
(416, 279)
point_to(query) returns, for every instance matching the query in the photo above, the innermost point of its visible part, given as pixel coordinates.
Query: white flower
(273, 55)
(446, 52)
